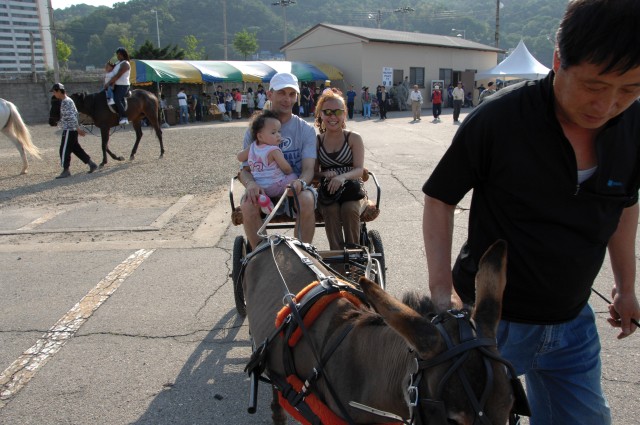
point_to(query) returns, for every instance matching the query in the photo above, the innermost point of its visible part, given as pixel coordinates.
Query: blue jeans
(562, 369)
(119, 92)
(184, 114)
(366, 110)
(109, 93)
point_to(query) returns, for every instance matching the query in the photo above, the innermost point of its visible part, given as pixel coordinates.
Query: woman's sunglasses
(336, 112)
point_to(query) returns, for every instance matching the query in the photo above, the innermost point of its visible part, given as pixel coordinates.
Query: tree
(245, 43)
(191, 50)
(149, 51)
(64, 52)
(127, 42)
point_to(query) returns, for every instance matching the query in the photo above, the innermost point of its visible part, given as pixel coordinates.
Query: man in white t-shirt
(299, 148)
(183, 107)
(458, 99)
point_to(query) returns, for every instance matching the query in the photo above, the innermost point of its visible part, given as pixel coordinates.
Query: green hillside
(94, 33)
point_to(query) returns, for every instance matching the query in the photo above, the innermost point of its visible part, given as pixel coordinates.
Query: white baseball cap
(283, 80)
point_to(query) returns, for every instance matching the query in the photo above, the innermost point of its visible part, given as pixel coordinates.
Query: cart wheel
(240, 249)
(375, 246)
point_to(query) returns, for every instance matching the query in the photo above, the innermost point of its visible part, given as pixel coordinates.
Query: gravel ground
(199, 159)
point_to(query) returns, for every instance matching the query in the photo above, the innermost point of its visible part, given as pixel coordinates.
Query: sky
(63, 4)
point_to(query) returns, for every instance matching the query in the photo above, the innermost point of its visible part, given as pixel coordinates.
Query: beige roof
(402, 37)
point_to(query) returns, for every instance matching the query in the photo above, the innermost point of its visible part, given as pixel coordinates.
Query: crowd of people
(232, 104)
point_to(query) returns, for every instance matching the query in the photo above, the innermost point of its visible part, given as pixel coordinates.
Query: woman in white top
(120, 80)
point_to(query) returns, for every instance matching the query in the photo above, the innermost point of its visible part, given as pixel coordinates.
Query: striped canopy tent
(153, 71)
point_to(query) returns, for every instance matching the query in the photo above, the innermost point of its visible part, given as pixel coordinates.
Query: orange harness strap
(315, 310)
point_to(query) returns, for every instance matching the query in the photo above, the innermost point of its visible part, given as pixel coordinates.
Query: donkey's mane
(366, 316)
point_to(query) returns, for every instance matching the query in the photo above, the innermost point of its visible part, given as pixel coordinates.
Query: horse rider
(120, 79)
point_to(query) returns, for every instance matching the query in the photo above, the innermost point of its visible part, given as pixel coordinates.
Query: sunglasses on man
(336, 112)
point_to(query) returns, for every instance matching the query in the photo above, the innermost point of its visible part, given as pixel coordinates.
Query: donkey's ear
(415, 329)
(491, 280)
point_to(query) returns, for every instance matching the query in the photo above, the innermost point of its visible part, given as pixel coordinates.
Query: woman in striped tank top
(340, 157)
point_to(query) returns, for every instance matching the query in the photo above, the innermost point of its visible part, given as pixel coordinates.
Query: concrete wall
(33, 99)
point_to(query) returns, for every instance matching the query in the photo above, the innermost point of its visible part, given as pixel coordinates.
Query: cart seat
(370, 213)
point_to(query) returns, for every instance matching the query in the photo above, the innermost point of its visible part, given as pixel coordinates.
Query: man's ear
(556, 60)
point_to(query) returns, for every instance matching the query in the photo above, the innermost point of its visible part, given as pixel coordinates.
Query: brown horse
(141, 104)
(12, 126)
(397, 364)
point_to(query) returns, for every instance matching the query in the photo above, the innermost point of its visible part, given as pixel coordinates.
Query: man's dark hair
(600, 32)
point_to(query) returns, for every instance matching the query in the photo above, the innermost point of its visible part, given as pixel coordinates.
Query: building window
(416, 76)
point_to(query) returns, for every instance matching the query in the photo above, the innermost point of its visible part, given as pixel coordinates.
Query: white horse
(13, 127)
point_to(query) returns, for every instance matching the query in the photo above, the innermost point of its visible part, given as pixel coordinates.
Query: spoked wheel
(374, 244)
(240, 250)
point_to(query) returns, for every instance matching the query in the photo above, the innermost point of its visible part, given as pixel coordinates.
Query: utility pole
(157, 26)
(497, 24)
(404, 11)
(284, 4)
(54, 44)
(224, 28)
(378, 15)
(34, 75)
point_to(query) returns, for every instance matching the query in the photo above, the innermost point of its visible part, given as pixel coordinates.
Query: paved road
(117, 305)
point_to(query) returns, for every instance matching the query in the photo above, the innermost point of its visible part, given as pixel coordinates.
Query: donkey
(370, 365)
(13, 127)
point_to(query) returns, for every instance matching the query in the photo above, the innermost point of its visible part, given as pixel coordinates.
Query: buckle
(412, 392)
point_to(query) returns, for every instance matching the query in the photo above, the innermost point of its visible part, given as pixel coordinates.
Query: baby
(108, 74)
(269, 168)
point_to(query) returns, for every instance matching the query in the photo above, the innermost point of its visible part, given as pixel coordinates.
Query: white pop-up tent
(519, 64)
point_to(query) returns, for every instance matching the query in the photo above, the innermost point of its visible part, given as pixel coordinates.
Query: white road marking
(40, 221)
(20, 372)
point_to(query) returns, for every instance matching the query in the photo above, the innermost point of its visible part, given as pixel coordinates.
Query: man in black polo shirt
(554, 165)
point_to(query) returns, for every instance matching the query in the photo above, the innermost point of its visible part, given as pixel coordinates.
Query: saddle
(113, 109)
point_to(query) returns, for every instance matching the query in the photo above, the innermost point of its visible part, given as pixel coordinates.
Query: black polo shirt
(512, 152)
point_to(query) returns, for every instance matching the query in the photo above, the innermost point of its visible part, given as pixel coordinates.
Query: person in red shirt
(436, 100)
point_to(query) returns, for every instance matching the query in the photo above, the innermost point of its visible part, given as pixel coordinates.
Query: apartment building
(25, 37)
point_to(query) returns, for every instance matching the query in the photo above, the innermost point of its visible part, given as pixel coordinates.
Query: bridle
(430, 409)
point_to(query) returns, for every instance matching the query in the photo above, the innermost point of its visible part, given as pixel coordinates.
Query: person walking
(366, 103)
(436, 102)
(383, 102)
(554, 169)
(487, 92)
(458, 99)
(351, 100)
(70, 130)
(416, 102)
(183, 106)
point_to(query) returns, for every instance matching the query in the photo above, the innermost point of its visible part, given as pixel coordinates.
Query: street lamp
(404, 11)
(157, 26)
(464, 33)
(284, 4)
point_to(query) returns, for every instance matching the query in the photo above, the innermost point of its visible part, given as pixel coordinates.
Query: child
(269, 168)
(108, 74)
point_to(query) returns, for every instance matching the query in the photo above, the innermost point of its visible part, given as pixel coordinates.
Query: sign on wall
(387, 76)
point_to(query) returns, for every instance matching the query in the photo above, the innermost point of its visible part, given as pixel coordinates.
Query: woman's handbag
(351, 190)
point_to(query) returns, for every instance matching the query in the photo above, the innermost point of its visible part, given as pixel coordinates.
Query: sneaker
(124, 121)
(65, 173)
(92, 167)
(111, 102)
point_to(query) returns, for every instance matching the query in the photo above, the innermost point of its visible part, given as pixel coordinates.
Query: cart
(349, 264)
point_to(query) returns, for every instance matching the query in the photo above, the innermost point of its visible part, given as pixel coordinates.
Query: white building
(25, 36)
(362, 54)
